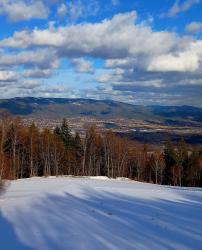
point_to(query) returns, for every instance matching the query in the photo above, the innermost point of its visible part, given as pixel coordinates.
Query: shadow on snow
(103, 220)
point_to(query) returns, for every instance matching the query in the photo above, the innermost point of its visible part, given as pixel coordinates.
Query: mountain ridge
(57, 108)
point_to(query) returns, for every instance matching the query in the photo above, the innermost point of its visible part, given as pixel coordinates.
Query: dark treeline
(27, 151)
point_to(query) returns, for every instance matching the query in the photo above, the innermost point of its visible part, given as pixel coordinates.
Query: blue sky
(141, 52)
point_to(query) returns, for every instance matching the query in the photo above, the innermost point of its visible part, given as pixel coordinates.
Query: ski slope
(98, 214)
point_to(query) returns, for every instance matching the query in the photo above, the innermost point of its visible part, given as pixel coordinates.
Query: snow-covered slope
(99, 214)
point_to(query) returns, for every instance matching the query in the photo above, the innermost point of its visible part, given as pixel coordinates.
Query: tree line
(27, 151)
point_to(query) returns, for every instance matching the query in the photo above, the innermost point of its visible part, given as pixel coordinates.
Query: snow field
(99, 213)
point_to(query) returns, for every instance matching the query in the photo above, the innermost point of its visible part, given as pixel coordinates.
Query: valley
(147, 124)
(140, 130)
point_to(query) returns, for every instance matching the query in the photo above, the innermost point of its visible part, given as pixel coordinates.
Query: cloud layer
(138, 62)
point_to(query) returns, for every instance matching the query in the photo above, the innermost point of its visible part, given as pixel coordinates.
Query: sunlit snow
(99, 213)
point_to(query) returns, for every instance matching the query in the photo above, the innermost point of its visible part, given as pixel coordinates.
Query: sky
(141, 52)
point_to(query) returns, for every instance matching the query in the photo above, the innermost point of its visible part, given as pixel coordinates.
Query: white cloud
(120, 41)
(137, 62)
(75, 10)
(41, 58)
(82, 66)
(22, 10)
(133, 54)
(82, 8)
(174, 63)
(62, 10)
(38, 73)
(29, 84)
(186, 61)
(178, 8)
(115, 38)
(194, 27)
(8, 76)
(26, 39)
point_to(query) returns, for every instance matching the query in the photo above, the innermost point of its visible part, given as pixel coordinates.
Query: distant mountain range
(57, 108)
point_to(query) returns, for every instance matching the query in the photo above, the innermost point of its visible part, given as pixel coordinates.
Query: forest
(27, 151)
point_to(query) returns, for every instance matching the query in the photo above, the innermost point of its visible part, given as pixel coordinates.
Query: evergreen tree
(64, 133)
(169, 156)
(57, 131)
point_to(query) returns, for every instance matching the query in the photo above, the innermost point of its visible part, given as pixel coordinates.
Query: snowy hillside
(89, 214)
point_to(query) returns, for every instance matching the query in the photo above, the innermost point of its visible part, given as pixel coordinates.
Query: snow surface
(98, 214)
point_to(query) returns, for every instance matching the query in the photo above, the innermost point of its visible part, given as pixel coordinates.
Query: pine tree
(169, 156)
(64, 133)
(57, 131)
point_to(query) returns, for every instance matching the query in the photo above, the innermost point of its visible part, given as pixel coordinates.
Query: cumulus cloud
(120, 41)
(43, 59)
(186, 61)
(134, 56)
(115, 38)
(8, 76)
(23, 10)
(38, 73)
(82, 66)
(181, 7)
(194, 27)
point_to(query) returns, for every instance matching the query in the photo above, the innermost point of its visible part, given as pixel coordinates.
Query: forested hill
(56, 108)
